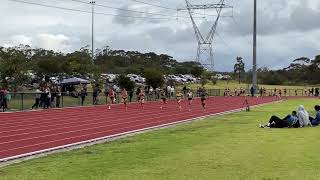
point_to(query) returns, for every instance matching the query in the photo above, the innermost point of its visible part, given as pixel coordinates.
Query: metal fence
(25, 100)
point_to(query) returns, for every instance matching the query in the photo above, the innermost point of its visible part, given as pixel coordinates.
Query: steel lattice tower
(205, 49)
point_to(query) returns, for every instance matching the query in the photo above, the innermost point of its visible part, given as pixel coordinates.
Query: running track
(28, 133)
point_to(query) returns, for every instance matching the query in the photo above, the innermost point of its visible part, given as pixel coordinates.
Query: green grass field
(226, 147)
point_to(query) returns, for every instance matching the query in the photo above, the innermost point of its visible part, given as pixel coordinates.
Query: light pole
(92, 31)
(254, 68)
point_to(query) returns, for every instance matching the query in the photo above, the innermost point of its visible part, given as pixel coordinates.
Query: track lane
(54, 137)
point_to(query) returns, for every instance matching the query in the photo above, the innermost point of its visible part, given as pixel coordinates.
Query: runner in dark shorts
(190, 98)
(163, 98)
(203, 98)
(124, 95)
(111, 95)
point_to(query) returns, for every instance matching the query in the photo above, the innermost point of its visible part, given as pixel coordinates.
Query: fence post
(22, 101)
(62, 101)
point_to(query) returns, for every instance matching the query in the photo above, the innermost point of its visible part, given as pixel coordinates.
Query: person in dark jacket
(83, 94)
(252, 91)
(289, 121)
(316, 121)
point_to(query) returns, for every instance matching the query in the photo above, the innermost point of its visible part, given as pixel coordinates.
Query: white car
(190, 78)
(111, 77)
(175, 78)
(136, 78)
(218, 76)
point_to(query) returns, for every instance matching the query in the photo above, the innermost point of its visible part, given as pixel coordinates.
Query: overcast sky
(288, 29)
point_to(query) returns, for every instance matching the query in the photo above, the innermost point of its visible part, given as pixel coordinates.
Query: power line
(122, 9)
(155, 5)
(169, 8)
(83, 11)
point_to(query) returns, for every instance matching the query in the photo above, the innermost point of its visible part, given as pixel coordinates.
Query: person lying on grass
(289, 121)
(316, 121)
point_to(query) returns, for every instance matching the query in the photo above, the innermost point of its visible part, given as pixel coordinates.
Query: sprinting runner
(190, 97)
(141, 98)
(124, 95)
(163, 98)
(247, 105)
(111, 95)
(179, 99)
(203, 98)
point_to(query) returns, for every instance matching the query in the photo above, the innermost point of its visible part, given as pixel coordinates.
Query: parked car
(136, 78)
(190, 78)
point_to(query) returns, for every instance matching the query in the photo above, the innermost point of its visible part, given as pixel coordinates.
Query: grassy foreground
(227, 147)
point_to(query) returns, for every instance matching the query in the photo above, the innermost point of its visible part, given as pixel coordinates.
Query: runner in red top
(111, 95)
(141, 98)
(124, 95)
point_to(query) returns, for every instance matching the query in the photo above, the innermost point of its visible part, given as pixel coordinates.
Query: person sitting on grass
(316, 121)
(289, 121)
(303, 117)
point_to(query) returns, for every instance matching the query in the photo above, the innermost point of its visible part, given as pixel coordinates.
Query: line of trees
(17, 63)
(302, 71)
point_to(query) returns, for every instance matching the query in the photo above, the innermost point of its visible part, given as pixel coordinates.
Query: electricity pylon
(205, 49)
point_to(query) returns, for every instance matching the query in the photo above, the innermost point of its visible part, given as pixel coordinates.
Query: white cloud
(57, 42)
(287, 29)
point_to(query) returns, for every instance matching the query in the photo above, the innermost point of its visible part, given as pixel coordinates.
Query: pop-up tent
(74, 81)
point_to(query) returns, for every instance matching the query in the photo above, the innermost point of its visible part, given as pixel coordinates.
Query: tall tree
(154, 78)
(239, 68)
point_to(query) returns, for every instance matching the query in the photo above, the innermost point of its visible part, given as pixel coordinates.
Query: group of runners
(163, 97)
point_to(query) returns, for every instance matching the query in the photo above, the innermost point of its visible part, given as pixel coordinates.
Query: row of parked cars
(179, 78)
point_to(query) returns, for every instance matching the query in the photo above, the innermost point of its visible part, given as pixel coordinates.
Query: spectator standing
(83, 94)
(42, 98)
(169, 90)
(151, 90)
(4, 98)
(317, 92)
(185, 90)
(53, 97)
(280, 93)
(305, 91)
(48, 97)
(95, 95)
(2, 101)
(130, 95)
(252, 91)
(58, 100)
(285, 92)
(38, 96)
(172, 90)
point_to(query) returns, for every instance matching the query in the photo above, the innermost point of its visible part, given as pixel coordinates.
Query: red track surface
(22, 133)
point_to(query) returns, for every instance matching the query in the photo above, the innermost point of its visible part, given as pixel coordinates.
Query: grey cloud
(287, 29)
